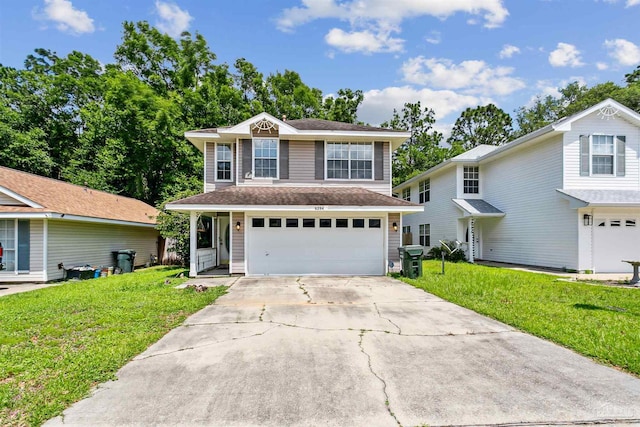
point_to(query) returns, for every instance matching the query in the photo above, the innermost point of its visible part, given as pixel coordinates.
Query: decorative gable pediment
(265, 128)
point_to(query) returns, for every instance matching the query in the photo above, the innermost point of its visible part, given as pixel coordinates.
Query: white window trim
(463, 179)
(215, 161)
(422, 227)
(402, 195)
(14, 249)
(373, 161)
(253, 159)
(614, 155)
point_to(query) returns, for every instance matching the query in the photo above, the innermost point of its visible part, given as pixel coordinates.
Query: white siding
(593, 124)
(439, 212)
(80, 243)
(36, 248)
(9, 201)
(237, 243)
(539, 227)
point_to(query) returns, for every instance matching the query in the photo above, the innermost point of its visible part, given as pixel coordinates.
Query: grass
(59, 342)
(601, 322)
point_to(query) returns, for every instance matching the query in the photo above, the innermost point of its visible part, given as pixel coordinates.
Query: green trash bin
(126, 258)
(411, 259)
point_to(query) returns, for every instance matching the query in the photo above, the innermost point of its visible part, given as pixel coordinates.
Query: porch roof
(477, 208)
(238, 198)
(588, 197)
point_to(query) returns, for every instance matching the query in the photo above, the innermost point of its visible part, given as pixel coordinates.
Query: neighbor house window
(406, 229)
(8, 242)
(265, 158)
(223, 162)
(471, 180)
(425, 234)
(349, 160)
(424, 190)
(406, 194)
(602, 155)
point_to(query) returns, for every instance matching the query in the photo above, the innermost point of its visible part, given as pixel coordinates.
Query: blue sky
(449, 54)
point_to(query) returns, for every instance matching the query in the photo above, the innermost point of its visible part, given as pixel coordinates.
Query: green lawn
(57, 343)
(601, 322)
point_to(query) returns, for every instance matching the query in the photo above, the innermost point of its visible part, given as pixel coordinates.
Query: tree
(344, 107)
(485, 124)
(422, 150)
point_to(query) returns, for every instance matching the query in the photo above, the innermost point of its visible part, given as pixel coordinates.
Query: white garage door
(295, 245)
(615, 239)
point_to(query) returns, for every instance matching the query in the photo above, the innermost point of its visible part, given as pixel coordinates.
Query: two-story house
(564, 196)
(288, 197)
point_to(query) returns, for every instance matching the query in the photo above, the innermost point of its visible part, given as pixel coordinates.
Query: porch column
(193, 243)
(472, 240)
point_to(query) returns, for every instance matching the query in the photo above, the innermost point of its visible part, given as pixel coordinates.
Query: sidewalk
(604, 277)
(23, 287)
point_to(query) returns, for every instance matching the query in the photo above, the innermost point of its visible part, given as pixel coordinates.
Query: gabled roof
(608, 107)
(40, 195)
(242, 198)
(587, 197)
(300, 129)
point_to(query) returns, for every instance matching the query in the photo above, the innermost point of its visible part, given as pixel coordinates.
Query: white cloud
(565, 55)
(623, 51)
(551, 88)
(601, 66)
(435, 37)
(633, 3)
(472, 77)
(173, 20)
(363, 41)
(378, 104)
(508, 51)
(492, 11)
(67, 18)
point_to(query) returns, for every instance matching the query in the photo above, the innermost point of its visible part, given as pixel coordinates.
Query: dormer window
(265, 158)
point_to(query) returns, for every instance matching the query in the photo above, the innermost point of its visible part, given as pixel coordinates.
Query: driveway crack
(304, 291)
(206, 345)
(384, 383)
(387, 319)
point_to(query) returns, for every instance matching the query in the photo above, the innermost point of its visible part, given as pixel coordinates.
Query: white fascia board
(565, 125)
(423, 175)
(574, 203)
(24, 215)
(288, 208)
(68, 217)
(198, 138)
(20, 198)
(244, 128)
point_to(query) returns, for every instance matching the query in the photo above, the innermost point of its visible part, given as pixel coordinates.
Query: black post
(443, 262)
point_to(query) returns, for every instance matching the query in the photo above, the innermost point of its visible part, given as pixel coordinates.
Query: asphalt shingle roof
(293, 196)
(477, 206)
(605, 197)
(61, 197)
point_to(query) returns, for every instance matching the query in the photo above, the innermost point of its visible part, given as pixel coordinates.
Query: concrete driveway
(353, 352)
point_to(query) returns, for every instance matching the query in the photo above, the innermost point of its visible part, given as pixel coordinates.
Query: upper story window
(349, 160)
(471, 180)
(223, 162)
(265, 158)
(602, 155)
(425, 234)
(424, 190)
(406, 194)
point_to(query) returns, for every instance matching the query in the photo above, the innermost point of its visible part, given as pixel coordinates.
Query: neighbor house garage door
(614, 239)
(295, 245)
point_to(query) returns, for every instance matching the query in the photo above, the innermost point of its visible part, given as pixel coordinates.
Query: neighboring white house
(564, 196)
(295, 197)
(45, 223)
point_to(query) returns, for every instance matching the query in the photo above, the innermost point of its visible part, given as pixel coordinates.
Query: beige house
(295, 197)
(46, 224)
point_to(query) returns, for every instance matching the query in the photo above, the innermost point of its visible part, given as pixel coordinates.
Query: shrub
(457, 256)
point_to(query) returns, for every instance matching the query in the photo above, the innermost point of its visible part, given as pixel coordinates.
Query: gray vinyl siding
(302, 166)
(80, 243)
(9, 201)
(539, 228)
(394, 238)
(440, 212)
(36, 253)
(237, 243)
(593, 124)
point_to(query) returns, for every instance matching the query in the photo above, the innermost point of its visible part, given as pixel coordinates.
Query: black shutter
(320, 160)
(584, 155)
(284, 159)
(247, 157)
(621, 143)
(378, 159)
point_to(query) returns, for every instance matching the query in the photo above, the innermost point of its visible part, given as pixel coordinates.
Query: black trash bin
(126, 260)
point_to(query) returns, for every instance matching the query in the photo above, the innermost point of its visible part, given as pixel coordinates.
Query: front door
(223, 239)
